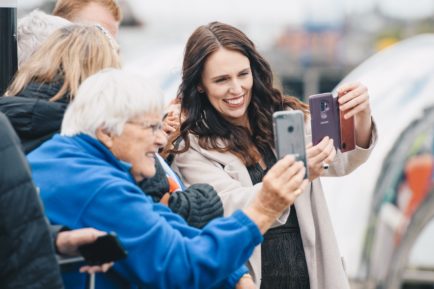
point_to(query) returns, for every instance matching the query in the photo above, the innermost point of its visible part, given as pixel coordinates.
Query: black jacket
(27, 257)
(34, 118)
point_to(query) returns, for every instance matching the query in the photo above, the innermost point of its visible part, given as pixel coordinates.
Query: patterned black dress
(283, 260)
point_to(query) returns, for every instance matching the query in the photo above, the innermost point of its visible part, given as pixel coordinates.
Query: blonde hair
(70, 55)
(69, 8)
(33, 29)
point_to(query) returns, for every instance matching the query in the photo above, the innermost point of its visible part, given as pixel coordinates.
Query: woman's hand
(318, 156)
(67, 243)
(280, 187)
(353, 99)
(171, 123)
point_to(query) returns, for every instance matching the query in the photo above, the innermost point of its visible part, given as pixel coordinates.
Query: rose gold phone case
(348, 140)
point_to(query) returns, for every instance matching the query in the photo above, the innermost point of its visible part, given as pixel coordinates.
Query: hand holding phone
(289, 135)
(347, 132)
(107, 248)
(327, 120)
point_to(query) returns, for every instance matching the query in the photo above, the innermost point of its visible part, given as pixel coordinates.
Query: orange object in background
(418, 171)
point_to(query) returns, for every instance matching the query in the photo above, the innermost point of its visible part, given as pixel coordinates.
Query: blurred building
(313, 58)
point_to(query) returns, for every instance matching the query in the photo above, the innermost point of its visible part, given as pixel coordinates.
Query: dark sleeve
(156, 186)
(198, 204)
(33, 117)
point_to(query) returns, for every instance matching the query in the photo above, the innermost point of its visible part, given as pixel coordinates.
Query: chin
(149, 173)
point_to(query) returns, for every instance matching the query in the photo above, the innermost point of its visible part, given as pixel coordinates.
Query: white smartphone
(289, 135)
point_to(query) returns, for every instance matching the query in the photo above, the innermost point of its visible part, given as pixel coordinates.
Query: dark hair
(201, 119)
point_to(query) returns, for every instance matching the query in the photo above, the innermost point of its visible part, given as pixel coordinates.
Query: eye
(219, 80)
(244, 73)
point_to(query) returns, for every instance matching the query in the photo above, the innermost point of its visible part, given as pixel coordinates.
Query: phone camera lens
(324, 106)
(290, 128)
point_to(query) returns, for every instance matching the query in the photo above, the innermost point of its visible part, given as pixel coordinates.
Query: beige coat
(230, 178)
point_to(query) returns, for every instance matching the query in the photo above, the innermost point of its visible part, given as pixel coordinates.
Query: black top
(283, 260)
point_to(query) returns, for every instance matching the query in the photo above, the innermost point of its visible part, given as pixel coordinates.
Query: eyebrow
(225, 75)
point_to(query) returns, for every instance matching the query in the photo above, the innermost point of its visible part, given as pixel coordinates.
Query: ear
(200, 88)
(105, 137)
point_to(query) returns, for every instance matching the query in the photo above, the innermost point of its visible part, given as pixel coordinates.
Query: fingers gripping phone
(324, 118)
(348, 139)
(289, 135)
(106, 248)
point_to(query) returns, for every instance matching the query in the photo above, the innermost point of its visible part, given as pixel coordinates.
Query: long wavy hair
(69, 56)
(201, 119)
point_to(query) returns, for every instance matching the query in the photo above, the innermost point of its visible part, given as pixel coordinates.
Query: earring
(200, 90)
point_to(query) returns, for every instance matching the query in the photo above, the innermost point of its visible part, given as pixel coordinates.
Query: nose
(160, 138)
(236, 87)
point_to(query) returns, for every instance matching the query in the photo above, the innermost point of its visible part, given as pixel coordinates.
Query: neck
(243, 121)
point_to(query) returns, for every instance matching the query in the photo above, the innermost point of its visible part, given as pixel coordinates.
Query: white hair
(33, 29)
(108, 99)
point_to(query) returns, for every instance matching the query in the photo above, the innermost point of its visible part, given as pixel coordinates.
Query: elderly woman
(108, 141)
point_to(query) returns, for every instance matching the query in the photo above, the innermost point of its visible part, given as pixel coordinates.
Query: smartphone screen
(106, 248)
(289, 135)
(324, 118)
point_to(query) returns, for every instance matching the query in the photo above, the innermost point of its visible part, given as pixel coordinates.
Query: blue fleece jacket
(82, 184)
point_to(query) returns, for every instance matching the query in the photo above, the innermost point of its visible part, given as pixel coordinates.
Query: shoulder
(7, 134)
(195, 150)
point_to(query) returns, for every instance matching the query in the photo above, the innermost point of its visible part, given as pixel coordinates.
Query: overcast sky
(291, 11)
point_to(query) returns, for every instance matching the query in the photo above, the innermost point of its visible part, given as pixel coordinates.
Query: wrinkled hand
(353, 99)
(246, 283)
(67, 243)
(323, 153)
(280, 187)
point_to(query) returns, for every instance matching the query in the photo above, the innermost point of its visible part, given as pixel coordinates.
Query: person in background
(228, 100)
(33, 29)
(110, 135)
(48, 81)
(107, 13)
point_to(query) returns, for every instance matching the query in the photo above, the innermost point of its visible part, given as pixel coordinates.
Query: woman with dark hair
(227, 141)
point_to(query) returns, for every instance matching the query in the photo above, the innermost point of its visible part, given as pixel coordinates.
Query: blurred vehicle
(383, 213)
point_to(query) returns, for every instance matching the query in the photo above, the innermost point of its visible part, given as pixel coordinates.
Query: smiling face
(137, 144)
(227, 81)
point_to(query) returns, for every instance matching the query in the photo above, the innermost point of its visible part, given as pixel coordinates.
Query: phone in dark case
(289, 135)
(106, 248)
(324, 111)
(348, 138)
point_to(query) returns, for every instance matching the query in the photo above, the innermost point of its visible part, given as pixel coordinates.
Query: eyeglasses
(145, 125)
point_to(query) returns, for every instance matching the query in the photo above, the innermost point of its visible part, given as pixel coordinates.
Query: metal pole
(8, 42)
(90, 281)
